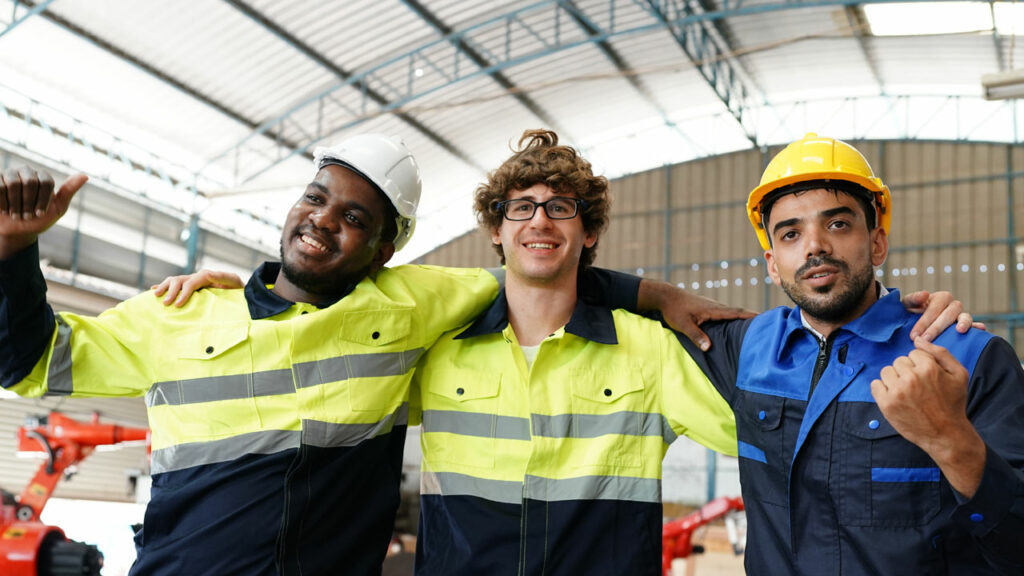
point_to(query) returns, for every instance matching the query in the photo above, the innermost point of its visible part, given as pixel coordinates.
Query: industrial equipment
(677, 535)
(27, 546)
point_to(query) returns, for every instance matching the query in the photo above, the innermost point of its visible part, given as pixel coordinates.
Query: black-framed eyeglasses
(556, 208)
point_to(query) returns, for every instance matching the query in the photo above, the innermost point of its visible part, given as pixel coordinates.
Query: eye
(559, 207)
(353, 219)
(840, 224)
(788, 235)
(521, 206)
(313, 198)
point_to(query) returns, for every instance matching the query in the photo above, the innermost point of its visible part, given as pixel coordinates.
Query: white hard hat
(387, 163)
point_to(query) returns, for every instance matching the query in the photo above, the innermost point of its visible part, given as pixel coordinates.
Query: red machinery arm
(676, 536)
(66, 442)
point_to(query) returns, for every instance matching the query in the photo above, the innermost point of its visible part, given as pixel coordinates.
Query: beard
(833, 303)
(314, 282)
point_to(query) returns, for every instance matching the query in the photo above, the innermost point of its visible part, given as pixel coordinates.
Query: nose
(324, 218)
(817, 242)
(540, 218)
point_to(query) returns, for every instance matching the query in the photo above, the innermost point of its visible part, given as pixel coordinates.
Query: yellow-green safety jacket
(554, 469)
(277, 428)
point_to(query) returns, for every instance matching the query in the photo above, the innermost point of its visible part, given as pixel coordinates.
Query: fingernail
(27, 215)
(14, 216)
(704, 345)
(40, 212)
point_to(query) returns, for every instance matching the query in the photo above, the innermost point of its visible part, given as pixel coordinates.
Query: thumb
(62, 199)
(697, 336)
(942, 356)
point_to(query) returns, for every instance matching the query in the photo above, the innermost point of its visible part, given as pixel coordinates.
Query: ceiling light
(1003, 85)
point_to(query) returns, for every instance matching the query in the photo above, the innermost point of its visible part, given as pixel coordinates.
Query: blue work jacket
(829, 486)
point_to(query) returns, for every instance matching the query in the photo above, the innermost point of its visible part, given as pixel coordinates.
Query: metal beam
(858, 24)
(345, 75)
(712, 62)
(463, 44)
(17, 21)
(620, 64)
(997, 40)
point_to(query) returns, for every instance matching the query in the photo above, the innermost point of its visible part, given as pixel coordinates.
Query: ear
(496, 236)
(879, 246)
(773, 270)
(384, 253)
(589, 240)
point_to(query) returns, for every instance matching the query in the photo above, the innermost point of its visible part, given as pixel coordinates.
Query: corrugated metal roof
(239, 91)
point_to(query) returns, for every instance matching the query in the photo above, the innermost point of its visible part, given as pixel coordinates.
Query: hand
(28, 206)
(924, 396)
(684, 311)
(938, 311)
(179, 289)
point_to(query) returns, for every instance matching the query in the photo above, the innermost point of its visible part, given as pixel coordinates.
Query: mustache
(815, 261)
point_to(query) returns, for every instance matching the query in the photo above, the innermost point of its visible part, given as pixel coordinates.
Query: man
(278, 413)
(862, 451)
(546, 420)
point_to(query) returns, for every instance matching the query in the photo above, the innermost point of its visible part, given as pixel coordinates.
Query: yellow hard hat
(814, 158)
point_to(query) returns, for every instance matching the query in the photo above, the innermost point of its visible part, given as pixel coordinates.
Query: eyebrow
(825, 213)
(351, 204)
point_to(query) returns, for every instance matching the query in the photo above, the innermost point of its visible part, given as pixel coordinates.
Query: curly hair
(538, 159)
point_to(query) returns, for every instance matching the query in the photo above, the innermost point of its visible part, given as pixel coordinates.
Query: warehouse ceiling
(208, 110)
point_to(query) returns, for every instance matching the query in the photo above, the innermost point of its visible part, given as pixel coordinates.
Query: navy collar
(263, 303)
(877, 324)
(595, 323)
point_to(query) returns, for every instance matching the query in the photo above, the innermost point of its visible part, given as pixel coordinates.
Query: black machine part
(60, 557)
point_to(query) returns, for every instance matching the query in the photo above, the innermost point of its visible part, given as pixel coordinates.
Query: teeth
(540, 245)
(821, 275)
(307, 240)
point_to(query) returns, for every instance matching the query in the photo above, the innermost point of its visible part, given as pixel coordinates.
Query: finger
(188, 288)
(66, 192)
(980, 326)
(945, 360)
(43, 195)
(173, 286)
(879, 391)
(29, 192)
(697, 336)
(889, 376)
(903, 364)
(725, 313)
(13, 182)
(963, 322)
(916, 301)
(946, 318)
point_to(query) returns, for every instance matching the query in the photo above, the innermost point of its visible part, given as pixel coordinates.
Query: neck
(536, 310)
(827, 327)
(292, 292)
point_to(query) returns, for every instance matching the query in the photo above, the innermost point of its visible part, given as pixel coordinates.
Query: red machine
(27, 546)
(677, 535)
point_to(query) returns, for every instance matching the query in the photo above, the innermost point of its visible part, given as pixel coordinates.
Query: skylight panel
(923, 18)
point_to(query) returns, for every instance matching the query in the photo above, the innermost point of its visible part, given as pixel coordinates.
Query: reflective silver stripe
(59, 380)
(355, 366)
(213, 388)
(594, 488)
(594, 425)
(476, 424)
(453, 484)
(192, 454)
(332, 435)
(499, 275)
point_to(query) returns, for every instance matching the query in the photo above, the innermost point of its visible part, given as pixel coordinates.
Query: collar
(264, 303)
(877, 324)
(594, 323)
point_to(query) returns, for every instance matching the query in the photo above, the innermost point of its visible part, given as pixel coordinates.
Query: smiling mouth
(313, 242)
(540, 245)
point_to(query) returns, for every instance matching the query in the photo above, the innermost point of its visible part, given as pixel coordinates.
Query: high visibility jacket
(830, 486)
(554, 469)
(277, 428)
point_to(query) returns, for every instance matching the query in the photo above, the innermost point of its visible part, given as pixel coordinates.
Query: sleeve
(66, 354)
(609, 289)
(443, 298)
(26, 321)
(721, 362)
(691, 404)
(994, 516)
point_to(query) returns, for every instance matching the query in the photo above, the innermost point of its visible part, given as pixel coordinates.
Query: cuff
(993, 499)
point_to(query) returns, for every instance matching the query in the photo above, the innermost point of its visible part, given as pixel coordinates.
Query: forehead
(345, 185)
(811, 203)
(536, 192)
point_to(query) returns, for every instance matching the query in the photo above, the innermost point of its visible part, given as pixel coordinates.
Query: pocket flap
(211, 342)
(459, 388)
(376, 327)
(763, 411)
(603, 388)
(872, 427)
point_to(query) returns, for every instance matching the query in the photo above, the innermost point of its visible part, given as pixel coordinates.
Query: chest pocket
(377, 369)
(461, 423)
(608, 420)
(214, 395)
(764, 467)
(887, 481)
